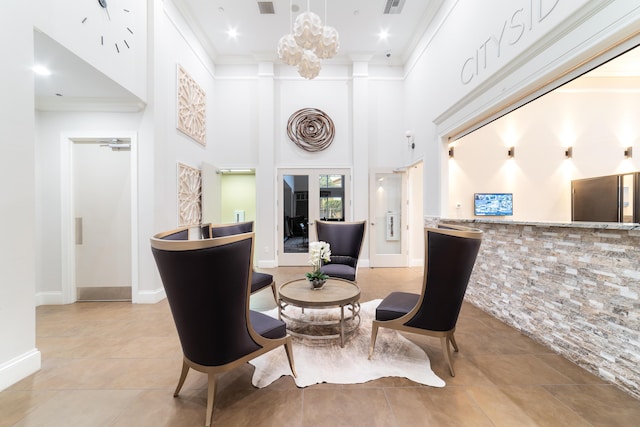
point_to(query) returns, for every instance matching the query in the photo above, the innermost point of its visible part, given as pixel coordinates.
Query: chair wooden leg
(444, 341)
(452, 338)
(374, 335)
(211, 394)
(289, 350)
(274, 290)
(183, 376)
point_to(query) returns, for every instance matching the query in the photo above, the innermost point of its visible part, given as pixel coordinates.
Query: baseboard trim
(141, 297)
(267, 264)
(149, 297)
(19, 368)
(49, 298)
(416, 262)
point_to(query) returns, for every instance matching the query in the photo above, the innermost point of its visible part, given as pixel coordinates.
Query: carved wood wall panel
(191, 108)
(189, 195)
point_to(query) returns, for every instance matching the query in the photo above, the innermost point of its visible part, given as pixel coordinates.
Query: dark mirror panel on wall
(611, 198)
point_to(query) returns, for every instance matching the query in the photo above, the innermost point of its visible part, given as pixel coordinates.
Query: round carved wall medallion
(310, 129)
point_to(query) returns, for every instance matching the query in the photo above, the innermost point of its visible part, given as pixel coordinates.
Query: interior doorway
(396, 225)
(99, 192)
(307, 195)
(228, 195)
(388, 215)
(102, 219)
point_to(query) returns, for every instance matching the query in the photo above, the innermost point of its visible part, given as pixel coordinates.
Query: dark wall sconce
(568, 153)
(511, 152)
(628, 152)
(451, 152)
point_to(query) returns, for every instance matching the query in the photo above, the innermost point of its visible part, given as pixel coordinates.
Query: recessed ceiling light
(383, 35)
(40, 70)
(232, 33)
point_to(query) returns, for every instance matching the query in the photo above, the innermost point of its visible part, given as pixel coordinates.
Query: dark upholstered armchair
(259, 280)
(449, 256)
(207, 282)
(345, 240)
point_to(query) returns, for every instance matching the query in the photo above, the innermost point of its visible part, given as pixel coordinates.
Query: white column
(266, 196)
(19, 356)
(360, 114)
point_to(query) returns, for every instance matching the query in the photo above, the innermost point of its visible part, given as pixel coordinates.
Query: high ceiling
(82, 87)
(73, 83)
(358, 22)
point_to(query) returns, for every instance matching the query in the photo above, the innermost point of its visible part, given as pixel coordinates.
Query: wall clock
(111, 20)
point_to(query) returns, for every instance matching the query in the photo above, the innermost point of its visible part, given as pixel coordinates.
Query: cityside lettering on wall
(511, 33)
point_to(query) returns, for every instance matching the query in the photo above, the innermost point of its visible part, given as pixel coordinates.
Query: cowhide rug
(394, 356)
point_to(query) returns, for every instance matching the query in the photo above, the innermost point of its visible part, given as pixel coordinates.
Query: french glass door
(305, 196)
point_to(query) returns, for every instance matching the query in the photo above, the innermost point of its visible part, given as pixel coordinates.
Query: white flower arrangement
(318, 252)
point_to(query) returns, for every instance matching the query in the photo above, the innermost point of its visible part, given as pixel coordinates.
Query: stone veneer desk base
(574, 287)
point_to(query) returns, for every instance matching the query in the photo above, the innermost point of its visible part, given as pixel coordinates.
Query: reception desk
(574, 287)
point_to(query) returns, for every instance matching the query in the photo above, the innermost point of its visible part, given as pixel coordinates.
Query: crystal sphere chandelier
(308, 43)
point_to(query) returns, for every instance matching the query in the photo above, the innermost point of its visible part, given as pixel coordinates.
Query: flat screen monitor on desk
(493, 204)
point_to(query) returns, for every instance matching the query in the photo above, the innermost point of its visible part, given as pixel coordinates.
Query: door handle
(78, 230)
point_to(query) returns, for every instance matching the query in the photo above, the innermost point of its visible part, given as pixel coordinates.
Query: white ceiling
(358, 22)
(74, 85)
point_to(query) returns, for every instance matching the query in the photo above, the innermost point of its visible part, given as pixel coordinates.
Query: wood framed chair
(345, 240)
(208, 282)
(449, 256)
(259, 280)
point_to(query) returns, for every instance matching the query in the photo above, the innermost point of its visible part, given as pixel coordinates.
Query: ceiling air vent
(266, 8)
(393, 6)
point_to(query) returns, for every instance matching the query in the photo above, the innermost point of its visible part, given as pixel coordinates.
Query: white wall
(62, 21)
(172, 47)
(435, 103)
(19, 356)
(387, 124)
(253, 106)
(542, 44)
(478, 39)
(295, 94)
(598, 125)
(52, 131)
(234, 120)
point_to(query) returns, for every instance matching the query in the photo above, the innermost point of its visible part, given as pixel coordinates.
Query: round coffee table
(336, 293)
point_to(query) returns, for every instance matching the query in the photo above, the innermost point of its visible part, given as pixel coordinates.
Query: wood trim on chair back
(450, 254)
(181, 233)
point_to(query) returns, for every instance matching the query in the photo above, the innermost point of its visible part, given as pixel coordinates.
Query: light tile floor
(116, 364)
